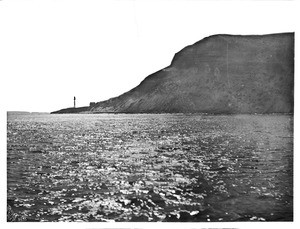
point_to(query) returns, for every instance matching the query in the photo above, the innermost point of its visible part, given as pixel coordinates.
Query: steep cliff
(219, 74)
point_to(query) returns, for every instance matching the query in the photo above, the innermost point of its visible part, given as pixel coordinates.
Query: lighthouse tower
(74, 102)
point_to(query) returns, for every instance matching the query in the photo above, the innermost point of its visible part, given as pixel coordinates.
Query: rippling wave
(150, 167)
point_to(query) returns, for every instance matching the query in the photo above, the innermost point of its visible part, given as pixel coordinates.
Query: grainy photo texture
(207, 139)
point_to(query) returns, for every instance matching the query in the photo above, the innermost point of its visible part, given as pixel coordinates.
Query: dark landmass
(73, 110)
(221, 74)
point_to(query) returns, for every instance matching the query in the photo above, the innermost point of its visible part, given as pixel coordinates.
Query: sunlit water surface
(150, 167)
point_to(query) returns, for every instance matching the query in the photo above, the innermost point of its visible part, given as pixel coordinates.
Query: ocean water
(150, 167)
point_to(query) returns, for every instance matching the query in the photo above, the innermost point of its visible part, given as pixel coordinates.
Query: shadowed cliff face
(219, 74)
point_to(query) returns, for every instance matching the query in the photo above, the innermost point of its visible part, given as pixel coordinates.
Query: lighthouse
(74, 102)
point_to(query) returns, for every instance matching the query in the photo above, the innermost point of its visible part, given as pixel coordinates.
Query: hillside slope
(219, 74)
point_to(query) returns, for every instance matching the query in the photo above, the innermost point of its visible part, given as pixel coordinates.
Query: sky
(53, 50)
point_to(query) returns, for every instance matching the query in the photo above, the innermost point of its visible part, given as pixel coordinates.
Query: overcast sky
(52, 50)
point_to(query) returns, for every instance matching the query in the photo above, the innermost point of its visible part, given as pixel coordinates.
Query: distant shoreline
(141, 113)
(174, 113)
(25, 112)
